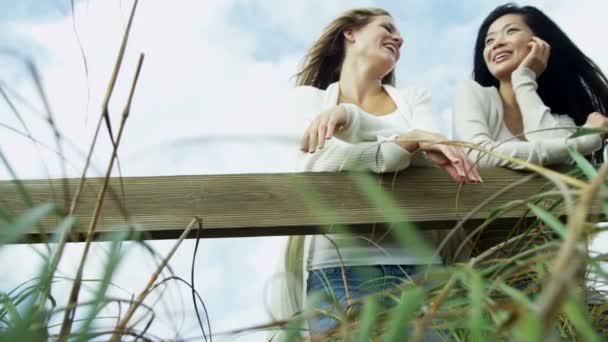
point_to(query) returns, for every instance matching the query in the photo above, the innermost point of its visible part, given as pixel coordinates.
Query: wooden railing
(273, 204)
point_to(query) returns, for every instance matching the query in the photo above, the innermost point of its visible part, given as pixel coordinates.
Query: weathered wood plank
(272, 204)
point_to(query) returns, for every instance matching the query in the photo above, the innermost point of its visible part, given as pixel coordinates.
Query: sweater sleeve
(370, 148)
(472, 111)
(379, 156)
(537, 116)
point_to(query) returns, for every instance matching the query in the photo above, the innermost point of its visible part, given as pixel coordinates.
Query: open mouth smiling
(393, 48)
(501, 56)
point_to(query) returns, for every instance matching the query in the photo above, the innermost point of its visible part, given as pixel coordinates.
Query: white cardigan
(478, 118)
(364, 143)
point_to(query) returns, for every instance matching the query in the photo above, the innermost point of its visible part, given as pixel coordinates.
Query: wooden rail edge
(241, 205)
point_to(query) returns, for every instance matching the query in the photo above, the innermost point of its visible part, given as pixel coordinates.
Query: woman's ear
(349, 34)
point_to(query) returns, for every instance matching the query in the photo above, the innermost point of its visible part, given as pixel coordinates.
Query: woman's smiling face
(506, 45)
(378, 40)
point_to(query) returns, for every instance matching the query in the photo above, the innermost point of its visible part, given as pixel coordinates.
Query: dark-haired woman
(532, 87)
(359, 120)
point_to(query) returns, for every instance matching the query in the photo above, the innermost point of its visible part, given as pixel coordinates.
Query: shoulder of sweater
(412, 92)
(306, 96)
(469, 89)
(308, 91)
(472, 86)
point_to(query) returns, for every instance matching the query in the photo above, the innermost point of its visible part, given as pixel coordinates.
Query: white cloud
(582, 21)
(303, 20)
(199, 78)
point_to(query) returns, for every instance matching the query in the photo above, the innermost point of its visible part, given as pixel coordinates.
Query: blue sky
(215, 71)
(28, 9)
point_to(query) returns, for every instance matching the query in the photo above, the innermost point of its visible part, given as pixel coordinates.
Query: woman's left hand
(450, 158)
(454, 162)
(538, 57)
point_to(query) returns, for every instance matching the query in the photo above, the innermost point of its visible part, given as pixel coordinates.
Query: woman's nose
(399, 40)
(499, 41)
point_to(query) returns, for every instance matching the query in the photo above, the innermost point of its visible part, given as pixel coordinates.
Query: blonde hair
(322, 64)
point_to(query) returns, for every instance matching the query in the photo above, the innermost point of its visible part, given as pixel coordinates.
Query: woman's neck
(359, 83)
(507, 95)
(512, 116)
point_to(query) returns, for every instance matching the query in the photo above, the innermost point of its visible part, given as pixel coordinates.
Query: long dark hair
(322, 64)
(572, 84)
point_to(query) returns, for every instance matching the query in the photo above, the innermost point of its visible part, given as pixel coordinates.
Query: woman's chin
(385, 65)
(503, 72)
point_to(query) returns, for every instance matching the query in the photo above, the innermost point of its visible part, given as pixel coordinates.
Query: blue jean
(362, 281)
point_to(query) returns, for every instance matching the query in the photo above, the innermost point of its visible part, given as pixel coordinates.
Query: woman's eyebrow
(502, 29)
(390, 26)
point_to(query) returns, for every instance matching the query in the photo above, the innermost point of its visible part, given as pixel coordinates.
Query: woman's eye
(387, 29)
(511, 30)
(489, 41)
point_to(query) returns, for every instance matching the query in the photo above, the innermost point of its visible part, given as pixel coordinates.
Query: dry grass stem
(121, 327)
(569, 260)
(530, 166)
(75, 200)
(69, 314)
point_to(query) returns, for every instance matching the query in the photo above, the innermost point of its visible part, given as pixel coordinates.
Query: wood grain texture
(272, 204)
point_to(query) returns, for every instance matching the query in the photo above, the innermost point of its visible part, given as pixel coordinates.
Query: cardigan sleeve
(535, 114)
(370, 148)
(379, 156)
(360, 126)
(472, 114)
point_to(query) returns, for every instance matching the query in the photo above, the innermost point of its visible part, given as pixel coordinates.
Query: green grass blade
(582, 164)
(18, 183)
(529, 328)
(63, 228)
(318, 205)
(368, 318)
(31, 217)
(411, 300)
(292, 331)
(515, 294)
(476, 296)
(114, 258)
(45, 280)
(11, 309)
(404, 230)
(5, 215)
(581, 131)
(549, 220)
(577, 315)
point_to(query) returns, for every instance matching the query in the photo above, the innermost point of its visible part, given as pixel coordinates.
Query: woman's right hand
(322, 128)
(450, 158)
(538, 56)
(597, 120)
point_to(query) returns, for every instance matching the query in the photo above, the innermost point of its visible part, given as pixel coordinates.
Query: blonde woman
(359, 120)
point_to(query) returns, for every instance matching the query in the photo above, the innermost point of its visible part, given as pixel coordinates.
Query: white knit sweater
(478, 118)
(363, 143)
